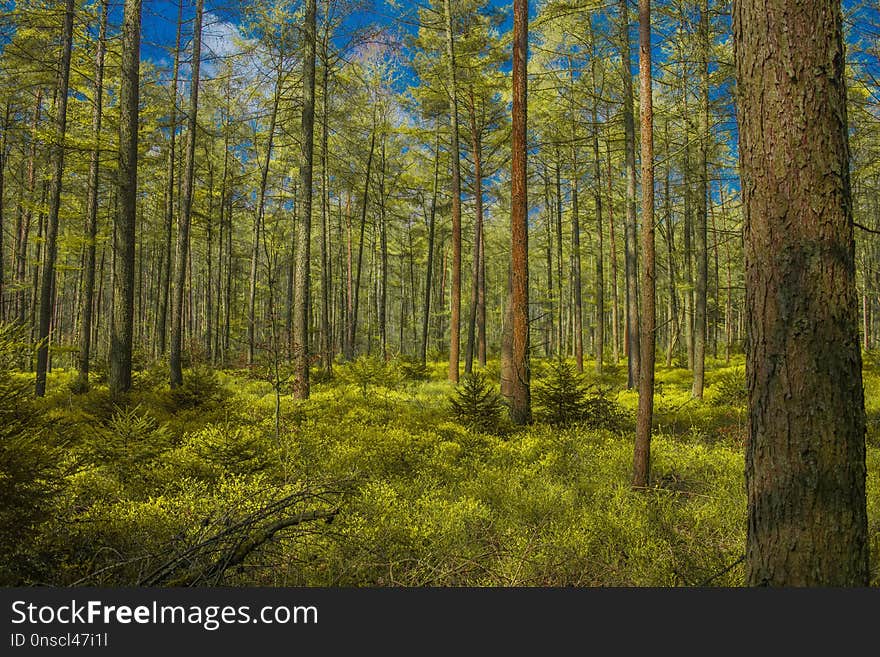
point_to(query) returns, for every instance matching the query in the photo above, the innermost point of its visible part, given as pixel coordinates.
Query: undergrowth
(405, 487)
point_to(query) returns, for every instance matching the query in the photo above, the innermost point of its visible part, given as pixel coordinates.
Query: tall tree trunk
(476, 145)
(577, 285)
(57, 158)
(382, 278)
(520, 397)
(631, 262)
(805, 458)
(560, 326)
(642, 460)
(600, 243)
(352, 322)
(429, 273)
(482, 347)
(550, 310)
(348, 342)
(23, 234)
(209, 259)
(162, 320)
(88, 296)
(304, 240)
(577, 306)
(455, 314)
(3, 158)
(615, 303)
(670, 261)
(186, 201)
(261, 209)
(700, 230)
(728, 309)
(326, 274)
(689, 296)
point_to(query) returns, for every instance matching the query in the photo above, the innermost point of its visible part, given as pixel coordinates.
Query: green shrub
(201, 388)
(476, 405)
(368, 371)
(30, 468)
(730, 387)
(562, 397)
(413, 370)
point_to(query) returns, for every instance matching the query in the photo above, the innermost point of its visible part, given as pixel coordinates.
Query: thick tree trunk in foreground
(700, 230)
(642, 461)
(304, 236)
(520, 399)
(429, 272)
(171, 181)
(186, 201)
(600, 242)
(473, 316)
(631, 262)
(455, 313)
(121, 328)
(47, 289)
(805, 461)
(88, 296)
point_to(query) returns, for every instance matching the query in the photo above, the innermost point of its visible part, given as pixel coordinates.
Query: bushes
(476, 405)
(730, 387)
(370, 372)
(562, 398)
(30, 469)
(201, 387)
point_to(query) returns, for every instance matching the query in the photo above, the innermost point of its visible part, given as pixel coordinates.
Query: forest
(439, 293)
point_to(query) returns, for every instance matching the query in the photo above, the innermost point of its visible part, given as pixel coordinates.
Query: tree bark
(520, 397)
(805, 458)
(170, 184)
(631, 263)
(429, 269)
(700, 230)
(353, 316)
(304, 240)
(326, 273)
(615, 303)
(88, 296)
(642, 460)
(47, 288)
(3, 159)
(186, 201)
(261, 209)
(476, 145)
(600, 240)
(455, 313)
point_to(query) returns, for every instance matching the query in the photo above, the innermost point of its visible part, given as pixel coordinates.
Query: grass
(418, 499)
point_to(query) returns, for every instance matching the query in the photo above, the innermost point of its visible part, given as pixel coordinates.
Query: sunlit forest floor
(374, 481)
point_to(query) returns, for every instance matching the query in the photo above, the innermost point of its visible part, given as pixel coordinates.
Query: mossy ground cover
(161, 486)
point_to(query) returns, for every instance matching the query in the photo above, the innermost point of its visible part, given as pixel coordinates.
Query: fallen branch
(242, 550)
(726, 570)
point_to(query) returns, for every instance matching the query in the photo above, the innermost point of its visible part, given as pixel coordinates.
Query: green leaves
(562, 398)
(476, 405)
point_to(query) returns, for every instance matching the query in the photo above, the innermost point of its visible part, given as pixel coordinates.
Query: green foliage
(30, 467)
(562, 397)
(730, 387)
(476, 405)
(129, 440)
(413, 370)
(426, 500)
(218, 449)
(201, 388)
(367, 372)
